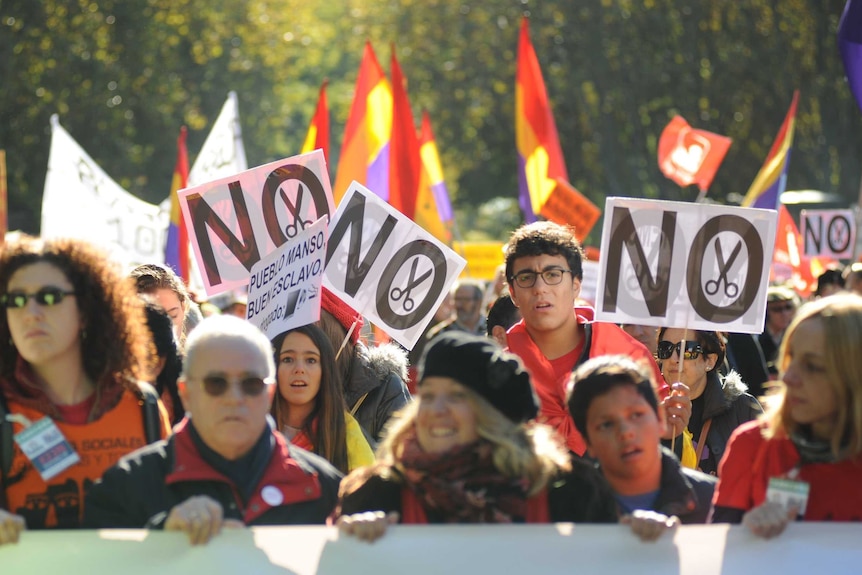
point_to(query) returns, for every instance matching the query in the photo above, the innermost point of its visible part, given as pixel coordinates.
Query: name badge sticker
(47, 449)
(789, 493)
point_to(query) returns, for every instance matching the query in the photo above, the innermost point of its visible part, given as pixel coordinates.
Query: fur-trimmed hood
(372, 367)
(733, 386)
(719, 398)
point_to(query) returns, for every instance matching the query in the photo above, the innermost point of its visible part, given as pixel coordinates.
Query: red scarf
(462, 485)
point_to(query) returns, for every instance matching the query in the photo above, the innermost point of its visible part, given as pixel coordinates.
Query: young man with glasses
(544, 271)
(224, 465)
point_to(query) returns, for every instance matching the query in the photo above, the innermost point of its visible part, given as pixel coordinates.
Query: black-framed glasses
(47, 296)
(551, 277)
(217, 385)
(665, 349)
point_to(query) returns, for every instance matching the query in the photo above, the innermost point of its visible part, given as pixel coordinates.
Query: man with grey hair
(467, 296)
(224, 465)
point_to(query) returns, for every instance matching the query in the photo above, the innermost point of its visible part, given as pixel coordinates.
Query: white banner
(235, 221)
(82, 201)
(803, 549)
(830, 233)
(223, 153)
(284, 288)
(679, 264)
(386, 266)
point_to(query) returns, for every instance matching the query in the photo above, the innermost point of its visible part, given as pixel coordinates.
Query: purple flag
(850, 45)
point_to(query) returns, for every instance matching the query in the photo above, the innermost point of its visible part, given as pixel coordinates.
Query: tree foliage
(123, 75)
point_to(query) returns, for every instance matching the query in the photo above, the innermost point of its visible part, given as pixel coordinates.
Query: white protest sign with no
(386, 266)
(689, 265)
(828, 233)
(284, 287)
(233, 222)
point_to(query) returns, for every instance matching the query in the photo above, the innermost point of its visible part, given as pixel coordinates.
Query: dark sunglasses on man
(217, 385)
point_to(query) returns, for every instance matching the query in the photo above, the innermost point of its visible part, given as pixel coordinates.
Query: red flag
(404, 162)
(688, 156)
(789, 264)
(318, 130)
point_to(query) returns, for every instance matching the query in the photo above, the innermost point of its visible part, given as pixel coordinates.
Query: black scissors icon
(298, 225)
(412, 282)
(731, 289)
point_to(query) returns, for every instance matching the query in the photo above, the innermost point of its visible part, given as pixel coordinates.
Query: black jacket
(297, 487)
(376, 387)
(579, 496)
(729, 406)
(684, 492)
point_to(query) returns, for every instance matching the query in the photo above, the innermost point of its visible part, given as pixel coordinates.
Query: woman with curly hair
(466, 452)
(73, 349)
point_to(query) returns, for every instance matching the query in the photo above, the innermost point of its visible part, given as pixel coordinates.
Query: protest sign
(284, 287)
(567, 206)
(689, 265)
(233, 222)
(804, 548)
(81, 201)
(483, 258)
(830, 233)
(386, 266)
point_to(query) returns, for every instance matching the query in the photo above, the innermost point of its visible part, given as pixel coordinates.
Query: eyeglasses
(551, 277)
(47, 296)
(665, 349)
(781, 308)
(216, 385)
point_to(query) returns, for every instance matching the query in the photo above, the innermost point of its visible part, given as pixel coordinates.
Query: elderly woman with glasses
(73, 348)
(719, 404)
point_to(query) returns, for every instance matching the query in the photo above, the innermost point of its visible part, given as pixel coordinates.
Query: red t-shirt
(751, 460)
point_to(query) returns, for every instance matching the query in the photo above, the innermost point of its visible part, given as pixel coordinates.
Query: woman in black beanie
(464, 452)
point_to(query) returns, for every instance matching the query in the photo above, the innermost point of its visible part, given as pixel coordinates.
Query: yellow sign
(483, 258)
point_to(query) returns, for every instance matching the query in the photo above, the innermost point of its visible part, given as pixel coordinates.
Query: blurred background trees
(124, 75)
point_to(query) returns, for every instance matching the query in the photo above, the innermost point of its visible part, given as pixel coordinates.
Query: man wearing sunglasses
(224, 465)
(544, 271)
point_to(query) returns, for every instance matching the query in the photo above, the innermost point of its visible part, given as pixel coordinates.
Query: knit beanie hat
(345, 314)
(479, 364)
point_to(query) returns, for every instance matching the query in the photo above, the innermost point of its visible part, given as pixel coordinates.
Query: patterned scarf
(462, 485)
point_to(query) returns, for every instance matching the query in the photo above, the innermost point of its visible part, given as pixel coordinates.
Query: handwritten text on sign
(387, 267)
(678, 264)
(284, 287)
(236, 221)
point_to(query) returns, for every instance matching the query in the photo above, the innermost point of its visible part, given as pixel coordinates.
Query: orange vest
(60, 502)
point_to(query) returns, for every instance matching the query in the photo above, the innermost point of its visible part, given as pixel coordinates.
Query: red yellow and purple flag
(177, 245)
(404, 162)
(765, 191)
(433, 208)
(318, 130)
(365, 150)
(850, 46)
(540, 157)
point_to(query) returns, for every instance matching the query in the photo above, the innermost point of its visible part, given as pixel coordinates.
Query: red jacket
(599, 339)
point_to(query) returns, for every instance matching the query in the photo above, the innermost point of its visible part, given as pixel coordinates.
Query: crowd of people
(127, 402)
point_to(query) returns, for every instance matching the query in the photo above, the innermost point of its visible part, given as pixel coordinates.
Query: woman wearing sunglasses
(719, 404)
(73, 346)
(807, 449)
(309, 405)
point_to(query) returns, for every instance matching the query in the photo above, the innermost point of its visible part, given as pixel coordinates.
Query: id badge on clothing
(788, 492)
(47, 449)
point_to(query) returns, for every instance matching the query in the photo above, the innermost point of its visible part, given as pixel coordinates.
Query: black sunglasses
(216, 385)
(47, 296)
(665, 349)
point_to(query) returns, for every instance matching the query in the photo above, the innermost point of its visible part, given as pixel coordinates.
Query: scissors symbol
(298, 225)
(398, 293)
(731, 289)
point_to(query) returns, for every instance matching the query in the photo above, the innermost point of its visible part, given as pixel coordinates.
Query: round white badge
(272, 495)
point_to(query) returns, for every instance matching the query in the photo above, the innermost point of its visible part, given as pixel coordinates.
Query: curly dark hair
(545, 238)
(116, 342)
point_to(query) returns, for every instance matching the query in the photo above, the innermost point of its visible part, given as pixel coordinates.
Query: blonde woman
(810, 439)
(463, 453)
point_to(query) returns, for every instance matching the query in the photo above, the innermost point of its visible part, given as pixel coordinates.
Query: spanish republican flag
(318, 130)
(765, 192)
(404, 162)
(540, 158)
(177, 245)
(365, 150)
(433, 208)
